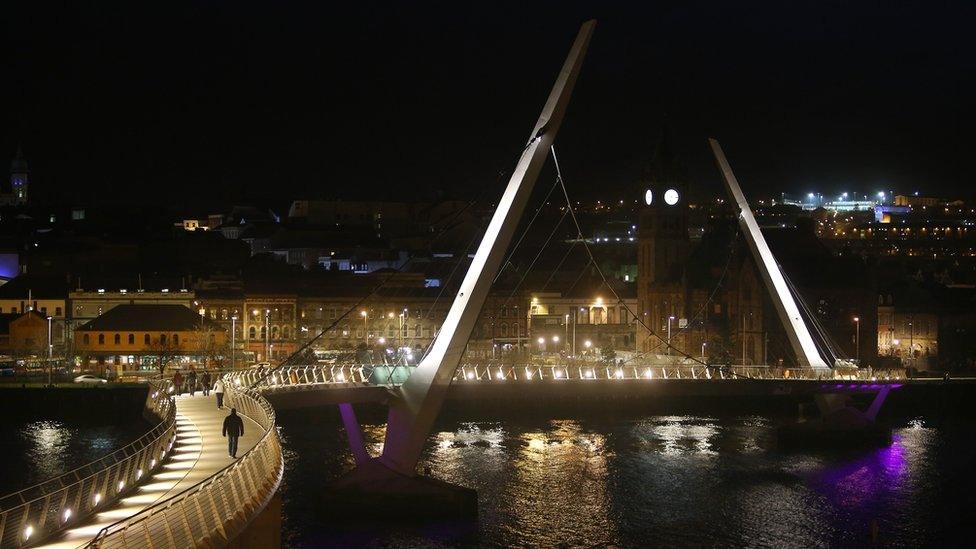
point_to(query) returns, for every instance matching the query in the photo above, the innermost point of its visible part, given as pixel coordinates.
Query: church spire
(19, 180)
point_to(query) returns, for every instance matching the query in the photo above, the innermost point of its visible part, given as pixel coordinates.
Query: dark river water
(653, 481)
(688, 480)
(34, 451)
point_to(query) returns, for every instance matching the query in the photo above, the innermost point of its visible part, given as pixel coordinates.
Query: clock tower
(662, 232)
(662, 245)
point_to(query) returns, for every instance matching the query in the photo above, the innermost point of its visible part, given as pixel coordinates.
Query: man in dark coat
(233, 428)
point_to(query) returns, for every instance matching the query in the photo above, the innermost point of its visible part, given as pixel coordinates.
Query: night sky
(208, 102)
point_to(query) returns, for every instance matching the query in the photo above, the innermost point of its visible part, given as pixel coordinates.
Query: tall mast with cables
(807, 353)
(412, 414)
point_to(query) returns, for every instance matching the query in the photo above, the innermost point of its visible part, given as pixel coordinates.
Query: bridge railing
(350, 374)
(34, 513)
(591, 371)
(214, 511)
(389, 375)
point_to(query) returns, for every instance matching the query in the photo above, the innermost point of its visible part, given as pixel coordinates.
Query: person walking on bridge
(178, 382)
(219, 391)
(233, 429)
(191, 382)
(205, 382)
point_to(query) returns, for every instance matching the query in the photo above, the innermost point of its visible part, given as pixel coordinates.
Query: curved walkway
(199, 452)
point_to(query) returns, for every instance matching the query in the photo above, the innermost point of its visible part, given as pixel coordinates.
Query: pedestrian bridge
(176, 486)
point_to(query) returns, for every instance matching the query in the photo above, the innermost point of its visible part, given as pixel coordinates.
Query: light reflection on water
(656, 480)
(35, 451)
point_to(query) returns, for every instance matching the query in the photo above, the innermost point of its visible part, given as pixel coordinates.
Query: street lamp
(50, 352)
(703, 350)
(670, 318)
(857, 339)
(566, 327)
(267, 336)
(400, 326)
(233, 340)
(365, 326)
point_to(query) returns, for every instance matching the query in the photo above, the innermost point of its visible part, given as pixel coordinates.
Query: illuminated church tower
(662, 243)
(19, 180)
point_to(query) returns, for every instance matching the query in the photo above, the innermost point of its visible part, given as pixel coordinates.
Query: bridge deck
(200, 451)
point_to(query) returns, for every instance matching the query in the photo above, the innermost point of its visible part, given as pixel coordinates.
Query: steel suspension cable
(606, 282)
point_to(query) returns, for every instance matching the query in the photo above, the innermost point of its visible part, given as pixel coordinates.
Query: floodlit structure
(807, 353)
(413, 411)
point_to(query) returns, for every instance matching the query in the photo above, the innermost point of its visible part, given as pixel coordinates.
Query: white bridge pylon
(413, 413)
(796, 329)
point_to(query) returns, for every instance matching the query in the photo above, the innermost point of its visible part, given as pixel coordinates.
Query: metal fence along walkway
(91, 490)
(227, 493)
(176, 486)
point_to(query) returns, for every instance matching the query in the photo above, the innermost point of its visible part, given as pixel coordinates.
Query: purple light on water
(861, 483)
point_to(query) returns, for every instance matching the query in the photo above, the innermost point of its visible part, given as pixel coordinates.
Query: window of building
(504, 329)
(57, 311)
(44, 311)
(101, 339)
(145, 339)
(162, 339)
(176, 339)
(274, 332)
(285, 332)
(118, 339)
(86, 339)
(264, 332)
(132, 339)
(251, 332)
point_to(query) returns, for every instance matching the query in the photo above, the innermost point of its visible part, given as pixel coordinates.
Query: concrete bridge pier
(840, 424)
(373, 487)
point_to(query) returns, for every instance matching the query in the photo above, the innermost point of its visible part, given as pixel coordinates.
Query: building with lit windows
(24, 334)
(147, 337)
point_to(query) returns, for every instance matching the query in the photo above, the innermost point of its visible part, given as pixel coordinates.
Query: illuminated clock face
(671, 197)
(648, 197)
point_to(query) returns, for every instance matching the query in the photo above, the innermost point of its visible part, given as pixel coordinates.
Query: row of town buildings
(674, 279)
(216, 321)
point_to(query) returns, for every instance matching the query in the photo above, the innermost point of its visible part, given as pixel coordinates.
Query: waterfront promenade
(199, 452)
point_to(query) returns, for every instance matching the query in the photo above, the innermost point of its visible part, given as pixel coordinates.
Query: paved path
(200, 451)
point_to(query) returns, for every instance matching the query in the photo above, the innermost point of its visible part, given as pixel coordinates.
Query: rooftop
(150, 318)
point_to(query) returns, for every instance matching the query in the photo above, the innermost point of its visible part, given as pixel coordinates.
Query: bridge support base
(840, 425)
(372, 489)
